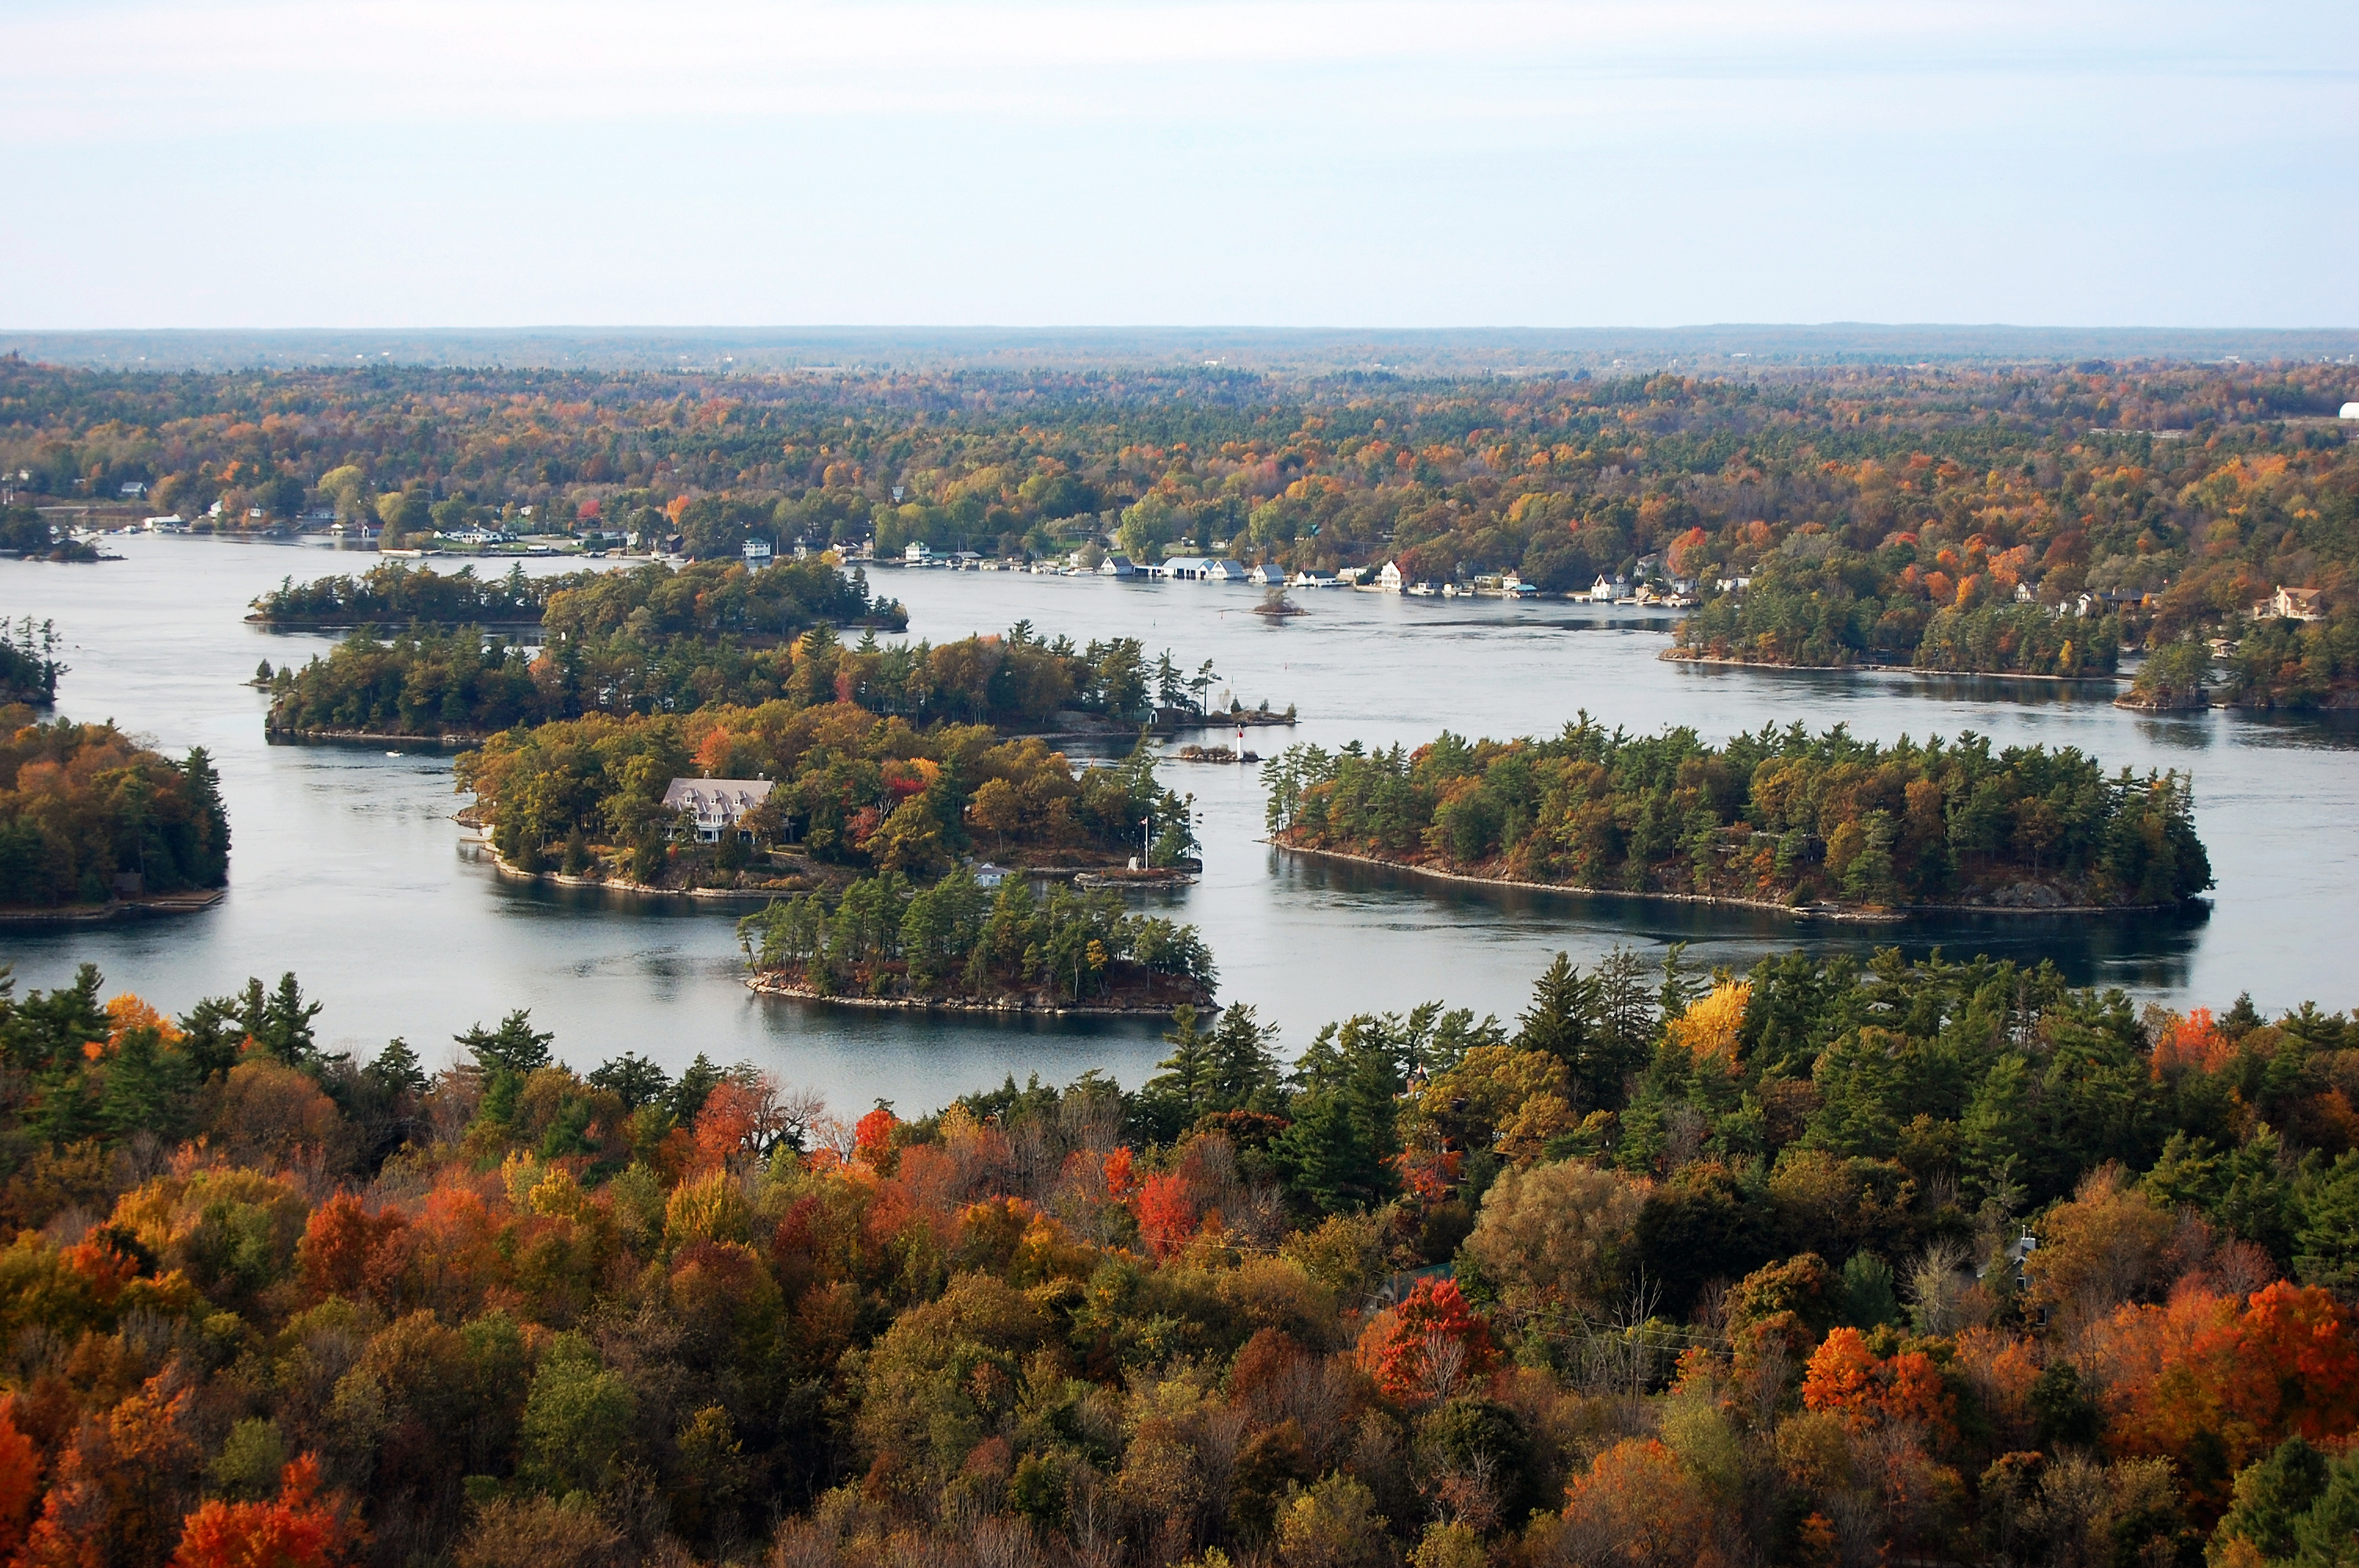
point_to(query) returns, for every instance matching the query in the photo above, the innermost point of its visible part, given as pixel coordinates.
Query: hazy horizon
(252, 163)
(1724, 349)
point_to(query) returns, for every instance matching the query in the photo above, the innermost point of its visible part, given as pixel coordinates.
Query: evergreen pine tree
(515, 1046)
(1243, 1070)
(398, 1069)
(1177, 1095)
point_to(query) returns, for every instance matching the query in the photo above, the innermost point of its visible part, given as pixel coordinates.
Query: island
(959, 946)
(1825, 822)
(782, 798)
(93, 825)
(28, 664)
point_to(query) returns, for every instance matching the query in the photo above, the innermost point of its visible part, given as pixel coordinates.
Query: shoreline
(1673, 656)
(363, 738)
(189, 903)
(639, 890)
(1849, 914)
(768, 984)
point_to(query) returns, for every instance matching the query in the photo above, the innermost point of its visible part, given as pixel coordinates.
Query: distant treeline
(1783, 815)
(955, 941)
(81, 806)
(849, 788)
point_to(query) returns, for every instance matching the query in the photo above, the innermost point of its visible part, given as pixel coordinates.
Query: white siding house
(716, 804)
(1389, 579)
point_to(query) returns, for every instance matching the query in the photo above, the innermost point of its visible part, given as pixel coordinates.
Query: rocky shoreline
(366, 737)
(771, 984)
(1859, 915)
(189, 903)
(1677, 657)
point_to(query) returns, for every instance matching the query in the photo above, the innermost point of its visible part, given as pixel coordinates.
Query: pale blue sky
(503, 162)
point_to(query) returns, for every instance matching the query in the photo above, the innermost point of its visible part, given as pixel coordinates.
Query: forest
(1782, 817)
(958, 942)
(1845, 609)
(852, 791)
(1859, 503)
(1834, 1262)
(87, 815)
(394, 594)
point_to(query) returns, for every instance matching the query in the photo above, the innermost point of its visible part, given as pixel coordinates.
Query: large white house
(1389, 579)
(716, 804)
(1202, 568)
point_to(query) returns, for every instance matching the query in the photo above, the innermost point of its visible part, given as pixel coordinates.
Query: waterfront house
(716, 805)
(1389, 579)
(1306, 577)
(1201, 568)
(1269, 574)
(2289, 604)
(1117, 566)
(918, 553)
(757, 552)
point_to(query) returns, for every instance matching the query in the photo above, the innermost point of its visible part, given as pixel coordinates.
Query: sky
(478, 163)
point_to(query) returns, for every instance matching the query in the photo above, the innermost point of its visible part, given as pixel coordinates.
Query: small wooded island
(841, 792)
(958, 944)
(1782, 818)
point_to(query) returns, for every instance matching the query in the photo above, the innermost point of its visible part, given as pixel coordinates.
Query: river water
(347, 868)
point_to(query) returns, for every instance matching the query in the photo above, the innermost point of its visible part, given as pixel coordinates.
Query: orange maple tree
(1433, 1342)
(299, 1529)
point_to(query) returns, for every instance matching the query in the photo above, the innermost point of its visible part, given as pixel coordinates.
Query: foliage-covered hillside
(1831, 1264)
(81, 806)
(1783, 815)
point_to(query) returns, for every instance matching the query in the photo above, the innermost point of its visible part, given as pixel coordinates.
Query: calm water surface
(348, 869)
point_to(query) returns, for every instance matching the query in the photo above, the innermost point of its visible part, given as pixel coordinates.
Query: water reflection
(2146, 951)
